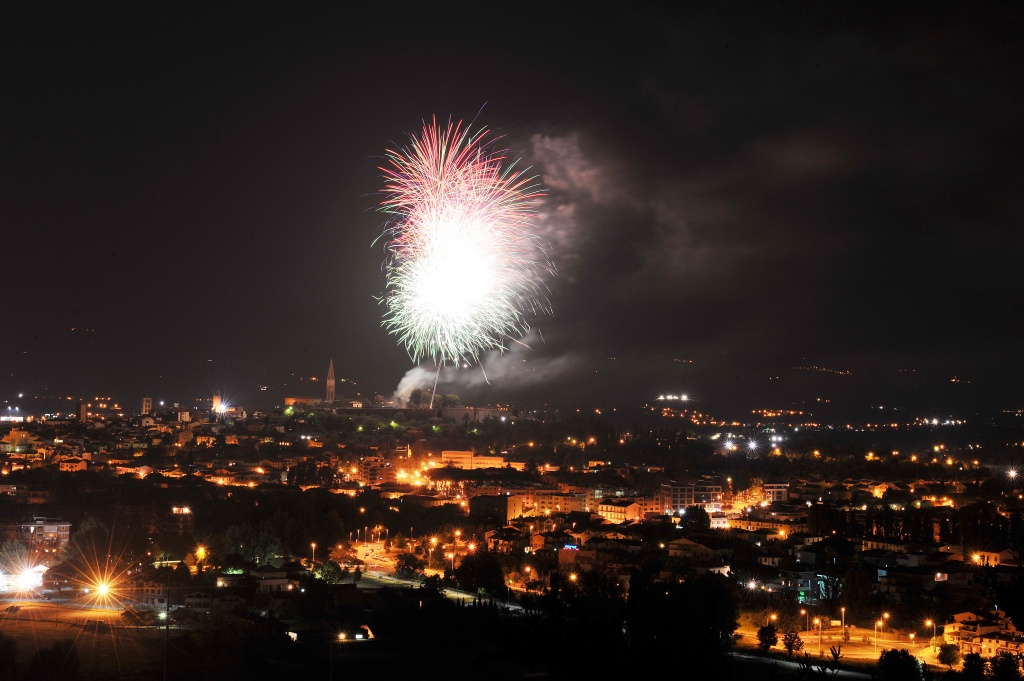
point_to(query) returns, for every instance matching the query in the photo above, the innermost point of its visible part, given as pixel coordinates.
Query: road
(380, 567)
(57, 610)
(856, 649)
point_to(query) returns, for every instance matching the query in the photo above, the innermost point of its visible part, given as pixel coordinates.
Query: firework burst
(464, 269)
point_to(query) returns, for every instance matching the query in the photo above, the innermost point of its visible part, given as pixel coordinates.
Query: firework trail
(464, 270)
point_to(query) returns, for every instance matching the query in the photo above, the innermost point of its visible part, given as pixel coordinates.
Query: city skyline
(756, 207)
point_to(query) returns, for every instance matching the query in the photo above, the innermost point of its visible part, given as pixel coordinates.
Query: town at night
(463, 342)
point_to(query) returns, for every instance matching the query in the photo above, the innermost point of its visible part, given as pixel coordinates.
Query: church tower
(330, 383)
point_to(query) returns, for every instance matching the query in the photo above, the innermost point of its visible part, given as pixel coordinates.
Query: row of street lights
(879, 625)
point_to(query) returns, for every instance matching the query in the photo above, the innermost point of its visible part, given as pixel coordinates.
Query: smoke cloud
(508, 371)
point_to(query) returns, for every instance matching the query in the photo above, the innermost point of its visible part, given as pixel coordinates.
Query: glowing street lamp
(930, 623)
(804, 612)
(817, 622)
(313, 559)
(877, 625)
(843, 611)
(330, 668)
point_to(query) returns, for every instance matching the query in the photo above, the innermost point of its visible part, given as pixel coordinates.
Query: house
(984, 632)
(699, 550)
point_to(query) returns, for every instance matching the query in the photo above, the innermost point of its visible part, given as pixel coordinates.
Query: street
(856, 649)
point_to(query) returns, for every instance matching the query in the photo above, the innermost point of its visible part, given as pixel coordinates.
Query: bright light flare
(464, 269)
(26, 580)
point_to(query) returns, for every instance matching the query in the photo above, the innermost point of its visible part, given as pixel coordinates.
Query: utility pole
(167, 621)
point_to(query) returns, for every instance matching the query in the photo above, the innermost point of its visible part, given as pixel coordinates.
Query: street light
(912, 639)
(817, 621)
(930, 623)
(430, 551)
(843, 611)
(877, 625)
(313, 560)
(330, 668)
(808, 616)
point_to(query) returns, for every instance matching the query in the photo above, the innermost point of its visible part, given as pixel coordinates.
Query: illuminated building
(41, 536)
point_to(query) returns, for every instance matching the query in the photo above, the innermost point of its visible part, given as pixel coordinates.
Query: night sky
(758, 205)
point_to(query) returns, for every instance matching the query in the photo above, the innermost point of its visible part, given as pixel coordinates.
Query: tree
(809, 670)
(260, 546)
(792, 643)
(695, 519)
(949, 654)
(974, 668)
(1005, 667)
(481, 570)
(694, 620)
(328, 571)
(13, 556)
(767, 636)
(408, 565)
(898, 665)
